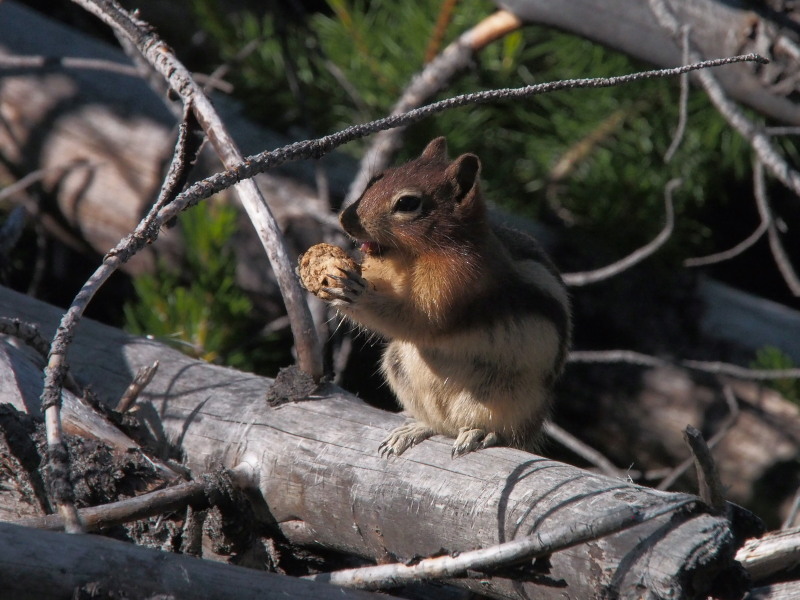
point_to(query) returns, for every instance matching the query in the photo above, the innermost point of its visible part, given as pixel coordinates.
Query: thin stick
(317, 148)
(791, 517)
(635, 257)
(161, 57)
(778, 253)
(130, 509)
(719, 257)
(487, 559)
(727, 425)
(708, 482)
(585, 451)
(758, 139)
(439, 30)
(645, 360)
(683, 102)
(140, 381)
(56, 369)
(93, 64)
(433, 78)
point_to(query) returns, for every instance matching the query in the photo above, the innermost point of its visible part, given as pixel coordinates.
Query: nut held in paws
(319, 263)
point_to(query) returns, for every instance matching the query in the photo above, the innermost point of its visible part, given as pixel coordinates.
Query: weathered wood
(789, 590)
(776, 552)
(718, 28)
(40, 565)
(322, 481)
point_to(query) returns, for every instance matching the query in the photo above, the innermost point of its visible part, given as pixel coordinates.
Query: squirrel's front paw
(330, 274)
(404, 437)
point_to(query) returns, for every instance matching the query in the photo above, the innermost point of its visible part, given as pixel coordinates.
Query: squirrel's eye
(407, 203)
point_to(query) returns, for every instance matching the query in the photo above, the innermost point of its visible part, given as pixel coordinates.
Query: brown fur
(477, 334)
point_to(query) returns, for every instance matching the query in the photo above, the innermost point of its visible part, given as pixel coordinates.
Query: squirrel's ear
(463, 172)
(436, 149)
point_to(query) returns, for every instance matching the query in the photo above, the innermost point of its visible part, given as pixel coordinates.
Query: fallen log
(39, 565)
(315, 465)
(717, 28)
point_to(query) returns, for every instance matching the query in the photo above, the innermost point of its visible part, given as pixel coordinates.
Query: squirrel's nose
(349, 220)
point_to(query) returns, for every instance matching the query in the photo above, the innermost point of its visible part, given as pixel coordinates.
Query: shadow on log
(321, 482)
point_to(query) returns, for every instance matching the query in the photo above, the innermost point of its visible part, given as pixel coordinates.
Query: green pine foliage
(770, 357)
(350, 63)
(199, 309)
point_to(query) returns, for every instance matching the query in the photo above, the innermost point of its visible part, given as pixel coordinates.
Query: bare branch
(712, 367)
(487, 559)
(439, 29)
(587, 277)
(317, 148)
(585, 451)
(683, 102)
(163, 60)
(141, 379)
(720, 368)
(718, 257)
(791, 518)
(8, 61)
(433, 78)
(775, 245)
(131, 509)
(27, 332)
(730, 421)
(36, 176)
(708, 481)
(755, 135)
(56, 369)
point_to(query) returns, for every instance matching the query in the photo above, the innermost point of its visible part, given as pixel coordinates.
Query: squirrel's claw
(404, 437)
(352, 285)
(470, 439)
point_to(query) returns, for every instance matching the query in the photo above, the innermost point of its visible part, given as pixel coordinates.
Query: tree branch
(635, 257)
(161, 57)
(494, 557)
(432, 79)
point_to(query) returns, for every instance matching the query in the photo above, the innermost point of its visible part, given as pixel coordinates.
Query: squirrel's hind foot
(404, 437)
(470, 439)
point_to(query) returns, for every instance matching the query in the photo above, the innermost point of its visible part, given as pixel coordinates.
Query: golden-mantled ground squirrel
(476, 315)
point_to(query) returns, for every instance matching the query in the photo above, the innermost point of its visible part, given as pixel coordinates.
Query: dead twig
(9, 62)
(96, 518)
(708, 482)
(683, 101)
(713, 367)
(778, 253)
(438, 72)
(635, 257)
(736, 118)
(585, 451)
(488, 559)
(317, 148)
(733, 415)
(179, 79)
(141, 379)
(791, 518)
(439, 29)
(719, 257)
(56, 369)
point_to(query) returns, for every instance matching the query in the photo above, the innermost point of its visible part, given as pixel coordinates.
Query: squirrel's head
(425, 204)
